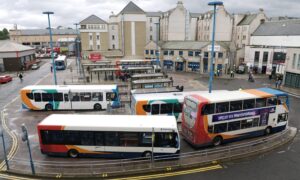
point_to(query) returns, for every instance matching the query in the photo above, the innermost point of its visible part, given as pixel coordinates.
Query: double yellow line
(170, 174)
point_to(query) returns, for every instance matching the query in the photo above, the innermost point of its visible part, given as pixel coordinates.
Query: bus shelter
(138, 70)
(152, 83)
(147, 76)
(106, 72)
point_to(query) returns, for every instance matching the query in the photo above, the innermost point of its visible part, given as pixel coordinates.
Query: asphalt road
(281, 164)
(10, 91)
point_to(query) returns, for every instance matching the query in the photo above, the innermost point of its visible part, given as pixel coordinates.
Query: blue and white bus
(61, 62)
(68, 97)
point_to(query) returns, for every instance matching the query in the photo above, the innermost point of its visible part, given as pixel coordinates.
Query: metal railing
(105, 168)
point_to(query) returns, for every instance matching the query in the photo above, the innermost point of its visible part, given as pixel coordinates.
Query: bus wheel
(49, 107)
(147, 154)
(268, 130)
(97, 107)
(217, 140)
(73, 153)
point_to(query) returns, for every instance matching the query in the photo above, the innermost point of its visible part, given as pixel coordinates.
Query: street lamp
(77, 47)
(51, 46)
(4, 150)
(215, 4)
(156, 51)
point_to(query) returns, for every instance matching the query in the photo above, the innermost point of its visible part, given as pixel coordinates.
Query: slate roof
(132, 8)
(195, 15)
(247, 20)
(93, 19)
(35, 32)
(278, 28)
(9, 46)
(154, 14)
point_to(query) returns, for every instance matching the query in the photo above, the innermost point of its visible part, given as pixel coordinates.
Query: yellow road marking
(169, 174)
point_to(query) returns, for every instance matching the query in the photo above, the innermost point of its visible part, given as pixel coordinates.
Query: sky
(27, 14)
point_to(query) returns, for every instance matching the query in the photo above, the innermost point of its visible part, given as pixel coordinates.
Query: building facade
(39, 38)
(292, 68)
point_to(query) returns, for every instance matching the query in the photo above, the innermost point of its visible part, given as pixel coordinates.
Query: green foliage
(4, 34)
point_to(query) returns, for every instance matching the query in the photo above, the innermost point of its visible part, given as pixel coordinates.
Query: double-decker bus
(159, 103)
(61, 62)
(108, 135)
(68, 97)
(219, 117)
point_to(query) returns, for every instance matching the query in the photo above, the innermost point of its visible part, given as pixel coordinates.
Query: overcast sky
(28, 13)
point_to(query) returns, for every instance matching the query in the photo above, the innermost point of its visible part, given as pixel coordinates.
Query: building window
(150, 28)
(256, 56)
(298, 65)
(98, 47)
(91, 37)
(265, 57)
(220, 55)
(171, 53)
(206, 54)
(165, 53)
(244, 37)
(113, 37)
(294, 61)
(151, 52)
(113, 46)
(191, 53)
(197, 53)
(147, 51)
(180, 53)
(150, 20)
(150, 37)
(98, 37)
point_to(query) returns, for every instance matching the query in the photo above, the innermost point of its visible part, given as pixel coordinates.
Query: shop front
(168, 64)
(194, 66)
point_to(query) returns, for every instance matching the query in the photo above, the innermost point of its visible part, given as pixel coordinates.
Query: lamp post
(77, 48)
(4, 149)
(156, 51)
(25, 138)
(51, 46)
(215, 4)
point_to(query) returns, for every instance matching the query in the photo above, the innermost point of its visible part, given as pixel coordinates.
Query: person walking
(51, 68)
(20, 77)
(276, 82)
(279, 82)
(231, 74)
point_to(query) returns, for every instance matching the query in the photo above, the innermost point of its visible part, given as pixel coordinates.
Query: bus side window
(219, 128)
(29, 95)
(249, 104)
(261, 102)
(58, 97)
(208, 109)
(222, 107)
(37, 97)
(97, 96)
(47, 97)
(66, 97)
(85, 96)
(146, 139)
(166, 108)
(110, 96)
(146, 108)
(177, 108)
(155, 109)
(272, 101)
(75, 97)
(236, 105)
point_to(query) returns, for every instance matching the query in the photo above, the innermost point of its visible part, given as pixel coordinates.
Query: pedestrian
(276, 83)
(279, 83)
(218, 72)
(270, 77)
(231, 74)
(21, 77)
(51, 68)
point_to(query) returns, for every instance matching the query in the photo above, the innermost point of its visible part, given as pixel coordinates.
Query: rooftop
(132, 8)
(9, 46)
(93, 19)
(278, 28)
(34, 32)
(247, 20)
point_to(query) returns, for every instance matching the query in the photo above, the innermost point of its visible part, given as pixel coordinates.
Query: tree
(4, 34)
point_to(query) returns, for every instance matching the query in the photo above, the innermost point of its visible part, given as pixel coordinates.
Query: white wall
(288, 41)
(176, 28)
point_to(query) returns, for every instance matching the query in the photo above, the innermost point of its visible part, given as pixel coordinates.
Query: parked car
(5, 79)
(35, 66)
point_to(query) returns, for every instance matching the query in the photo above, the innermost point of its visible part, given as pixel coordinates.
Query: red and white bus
(224, 116)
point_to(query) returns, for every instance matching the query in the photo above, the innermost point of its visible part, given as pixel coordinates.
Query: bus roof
(146, 81)
(134, 60)
(154, 90)
(163, 96)
(73, 87)
(147, 75)
(223, 96)
(110, 122)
